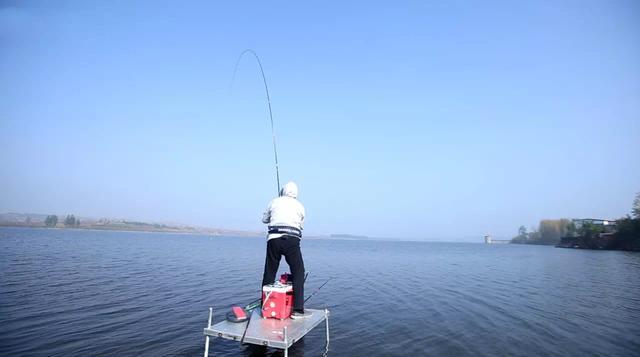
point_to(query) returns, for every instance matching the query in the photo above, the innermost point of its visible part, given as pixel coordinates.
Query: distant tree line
(70, 221)
(588, 235)
(549, 232)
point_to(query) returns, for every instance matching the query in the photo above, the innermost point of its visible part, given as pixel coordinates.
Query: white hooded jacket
(285, 210)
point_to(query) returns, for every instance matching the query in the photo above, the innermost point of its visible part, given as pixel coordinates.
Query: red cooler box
(277, 301)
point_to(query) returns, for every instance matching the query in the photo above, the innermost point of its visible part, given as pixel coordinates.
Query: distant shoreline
(172, 230)
(3, 225)
(37, 221)
(245, 235)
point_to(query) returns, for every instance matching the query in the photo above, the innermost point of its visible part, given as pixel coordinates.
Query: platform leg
(206, 340)
(206, 346)
(286, 343)
(326, 327)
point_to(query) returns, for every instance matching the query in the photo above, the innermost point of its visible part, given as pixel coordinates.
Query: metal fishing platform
(274, 333)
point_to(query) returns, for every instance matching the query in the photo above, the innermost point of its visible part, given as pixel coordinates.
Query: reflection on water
(112, 293)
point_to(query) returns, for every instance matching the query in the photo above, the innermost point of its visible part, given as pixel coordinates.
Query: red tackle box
(277, 300)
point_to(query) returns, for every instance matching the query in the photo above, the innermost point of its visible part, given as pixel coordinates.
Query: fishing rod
(318, 289)
(266, 89)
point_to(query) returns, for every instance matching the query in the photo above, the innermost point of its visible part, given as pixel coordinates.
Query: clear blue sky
(425, 120)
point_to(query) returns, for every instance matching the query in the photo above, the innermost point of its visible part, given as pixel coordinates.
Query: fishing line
(318, 289)
(266, 89)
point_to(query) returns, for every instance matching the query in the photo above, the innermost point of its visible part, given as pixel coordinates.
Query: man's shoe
(300, 315)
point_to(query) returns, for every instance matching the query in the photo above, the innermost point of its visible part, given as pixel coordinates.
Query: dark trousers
(289, 247)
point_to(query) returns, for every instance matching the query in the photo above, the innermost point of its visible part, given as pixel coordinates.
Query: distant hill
(22, 217)
(37, 220)
(347, 236)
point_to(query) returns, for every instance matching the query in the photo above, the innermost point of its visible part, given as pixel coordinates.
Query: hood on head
(290, 189)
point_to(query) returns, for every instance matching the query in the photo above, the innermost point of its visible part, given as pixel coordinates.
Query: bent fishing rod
(266, 89)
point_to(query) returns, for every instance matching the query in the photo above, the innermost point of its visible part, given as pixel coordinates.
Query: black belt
(290, 231)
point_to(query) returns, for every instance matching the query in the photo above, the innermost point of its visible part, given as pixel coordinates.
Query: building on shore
(603, 231)
(608, 225)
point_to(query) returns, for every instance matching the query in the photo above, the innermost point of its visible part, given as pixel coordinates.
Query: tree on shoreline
(70, 221)
(522, 236)
(522, 232)
(549, 232)
(51, 220)
(628, 235)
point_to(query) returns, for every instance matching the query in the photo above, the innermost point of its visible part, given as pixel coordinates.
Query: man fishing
(284, 217)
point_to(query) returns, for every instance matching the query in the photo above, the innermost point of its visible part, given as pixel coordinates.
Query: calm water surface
(65, 292)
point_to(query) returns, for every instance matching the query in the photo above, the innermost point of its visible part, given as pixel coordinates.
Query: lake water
(66, 292)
